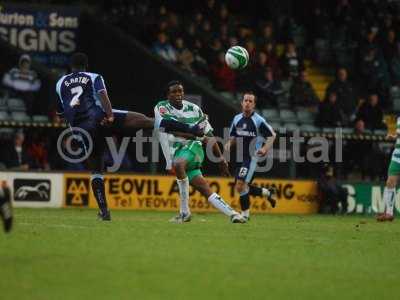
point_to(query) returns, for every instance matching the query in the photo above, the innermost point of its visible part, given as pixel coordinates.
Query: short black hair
(250, 92)
(171, 84)
(79, 61)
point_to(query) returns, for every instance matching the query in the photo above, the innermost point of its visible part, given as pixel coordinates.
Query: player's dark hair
(79, 61)
(171, 84)
(249, 92)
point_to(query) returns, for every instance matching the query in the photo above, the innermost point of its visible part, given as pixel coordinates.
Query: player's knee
(179, 165)
(391, 182)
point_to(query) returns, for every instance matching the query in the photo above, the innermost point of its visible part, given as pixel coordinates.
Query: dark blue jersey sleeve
(99, 84)
(232, 131)
(266, 130)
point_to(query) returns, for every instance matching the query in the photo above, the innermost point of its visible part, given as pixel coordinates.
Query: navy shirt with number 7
(78, 96)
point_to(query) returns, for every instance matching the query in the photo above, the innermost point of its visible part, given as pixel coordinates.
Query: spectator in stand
(370, 163)
(250, 46)
(268, 89)
(390, 45)
(164, 49)
(291, 61)
(346, 93)
(22, 82)
(329, 113)
(374, 72)
(371, 113)
(267, 35)
(37, 151)
(224, 77)
(370, 42)
(206, 31)
(302, 93)
(15, 156)
(213, 50)
(179, 46)
(185, 62)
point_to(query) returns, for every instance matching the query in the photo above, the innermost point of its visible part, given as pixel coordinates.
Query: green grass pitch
(68, 254)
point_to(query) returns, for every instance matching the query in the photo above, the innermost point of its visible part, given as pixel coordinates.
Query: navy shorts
(245, 171)
(98, 132)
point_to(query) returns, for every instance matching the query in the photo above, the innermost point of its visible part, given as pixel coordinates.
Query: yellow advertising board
(148, 192)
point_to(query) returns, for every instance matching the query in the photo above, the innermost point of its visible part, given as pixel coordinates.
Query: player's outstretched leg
(138, 120)
(389, 196)
(216, 200)
(246, 190)
(5, 207)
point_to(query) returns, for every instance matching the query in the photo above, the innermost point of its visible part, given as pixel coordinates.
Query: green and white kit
(178, 147)
(394, 166)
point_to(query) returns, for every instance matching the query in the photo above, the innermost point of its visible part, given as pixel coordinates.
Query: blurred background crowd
(321, 65)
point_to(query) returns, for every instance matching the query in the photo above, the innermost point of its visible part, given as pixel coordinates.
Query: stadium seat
(290, 127)
(395, 97)
(380, 132)
(4, 116)
(20, 116)
(347, 130)
(275, 125)
(288, 116)
(329, 129)
(40, 118)
(309, 128)
(16, 104)
(3, 104)
(6, 132)
(305, 117)
(271, 115)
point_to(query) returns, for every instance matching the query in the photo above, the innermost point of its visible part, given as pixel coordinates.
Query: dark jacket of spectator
(268, 89)
(292, 63)
(345, 91)
(329, 113)
(302, 93)
(371, 114)
(15, 156)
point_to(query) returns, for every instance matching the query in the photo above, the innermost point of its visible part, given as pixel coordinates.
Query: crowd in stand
(197, 41)
(357, 39)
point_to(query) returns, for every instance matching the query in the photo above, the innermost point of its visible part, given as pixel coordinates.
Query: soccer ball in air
(237, 57)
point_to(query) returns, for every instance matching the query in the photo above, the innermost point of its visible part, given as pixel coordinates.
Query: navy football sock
(255, 190)
(99, 192)
(244, 201)
(172, 125)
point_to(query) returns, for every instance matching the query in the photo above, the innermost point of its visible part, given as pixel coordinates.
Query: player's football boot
(271, 197)
(181, 218)
(385, 217)
(238, 218)
(6, 213)
(104, 216)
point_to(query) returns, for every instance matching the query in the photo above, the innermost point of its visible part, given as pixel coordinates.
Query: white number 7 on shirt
(76, 92)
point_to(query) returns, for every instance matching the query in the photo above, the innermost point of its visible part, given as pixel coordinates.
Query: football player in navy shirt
(257, 137)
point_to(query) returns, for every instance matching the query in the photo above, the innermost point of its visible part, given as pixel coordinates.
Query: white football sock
(246, 213)
(265, 192)
(389, 196)
(221, 205)
(183, 185)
